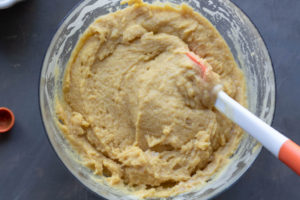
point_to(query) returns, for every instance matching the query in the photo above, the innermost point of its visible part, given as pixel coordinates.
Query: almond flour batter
(136, 109)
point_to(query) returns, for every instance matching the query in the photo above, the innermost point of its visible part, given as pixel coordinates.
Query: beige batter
(135, 107)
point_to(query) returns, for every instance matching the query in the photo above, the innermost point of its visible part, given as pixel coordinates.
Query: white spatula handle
(283, 148)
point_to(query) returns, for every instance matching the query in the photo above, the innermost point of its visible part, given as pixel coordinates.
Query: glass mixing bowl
(249, 52)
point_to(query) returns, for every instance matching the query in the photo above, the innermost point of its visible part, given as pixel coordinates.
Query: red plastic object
(7, 119)
(290, 154)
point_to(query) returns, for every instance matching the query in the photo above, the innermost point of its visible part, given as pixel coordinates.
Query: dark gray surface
(29, 168)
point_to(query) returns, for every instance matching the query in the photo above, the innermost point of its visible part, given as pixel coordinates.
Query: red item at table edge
(7, 119)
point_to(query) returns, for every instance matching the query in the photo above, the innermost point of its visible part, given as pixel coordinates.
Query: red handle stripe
(289, 153)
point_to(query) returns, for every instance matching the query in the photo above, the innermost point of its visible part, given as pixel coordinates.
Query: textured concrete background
(29, 168)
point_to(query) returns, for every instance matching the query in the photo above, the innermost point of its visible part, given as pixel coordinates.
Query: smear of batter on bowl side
(135, 108)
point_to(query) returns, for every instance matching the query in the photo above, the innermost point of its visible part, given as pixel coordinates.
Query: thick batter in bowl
(154, 143)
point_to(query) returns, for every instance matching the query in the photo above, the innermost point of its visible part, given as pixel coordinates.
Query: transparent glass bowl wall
(249, 52)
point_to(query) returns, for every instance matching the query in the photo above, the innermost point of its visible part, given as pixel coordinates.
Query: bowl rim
(257, 151)
(8, 3)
